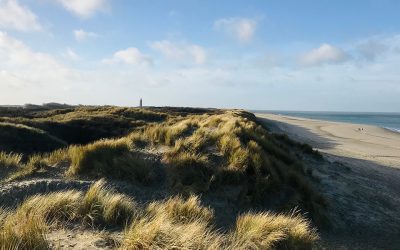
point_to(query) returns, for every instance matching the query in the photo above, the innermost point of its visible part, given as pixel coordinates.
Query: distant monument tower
(141, 103)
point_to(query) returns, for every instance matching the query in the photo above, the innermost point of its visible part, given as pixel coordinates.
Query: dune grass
(102, 205)
(38, 163)
(175, 223)
(21, 230)
(159, 232)
(271, 231)
(25, 139)
(204, 151)
(111, 158)
(26, 227)
(72, 125)
(181, 210)
(185, 224)
(200, 153)
(10, 160)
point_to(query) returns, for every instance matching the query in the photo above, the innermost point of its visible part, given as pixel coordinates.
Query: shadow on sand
(363, 196)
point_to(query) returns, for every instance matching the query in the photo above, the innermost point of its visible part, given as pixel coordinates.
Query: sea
(390, 121)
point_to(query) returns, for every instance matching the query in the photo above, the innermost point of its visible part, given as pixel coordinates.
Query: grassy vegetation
(175, 223)
(78, 125)
(10, 160)
(111, 158)
(267, 231)
(201, 152)
(23, 139)
(208, 151)
(181, 210)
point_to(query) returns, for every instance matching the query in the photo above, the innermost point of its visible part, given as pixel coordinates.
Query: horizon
(195, 107)
(311, 56)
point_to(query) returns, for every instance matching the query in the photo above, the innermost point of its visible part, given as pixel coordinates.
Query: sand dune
(360, 179)
(343, 139)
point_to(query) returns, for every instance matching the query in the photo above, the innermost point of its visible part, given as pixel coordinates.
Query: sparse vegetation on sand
(186, 154)
(170, 224)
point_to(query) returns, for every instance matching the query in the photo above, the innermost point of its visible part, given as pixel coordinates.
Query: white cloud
(84, 8)
(82, 35)
(372, 49)
(129, 56)
(181, 51)
(326, 53)
(70, 54)
(243, 29)
(18, 17)
(34, 74)
(14, 53)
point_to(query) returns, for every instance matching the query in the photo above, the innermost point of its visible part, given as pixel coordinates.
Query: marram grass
(175, 223)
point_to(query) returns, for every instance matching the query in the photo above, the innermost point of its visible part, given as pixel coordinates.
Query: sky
(317, 55)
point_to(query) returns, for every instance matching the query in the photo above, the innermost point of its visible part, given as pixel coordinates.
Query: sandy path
(343, 139)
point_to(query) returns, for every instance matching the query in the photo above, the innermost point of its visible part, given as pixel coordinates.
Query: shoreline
(396, 130)
(360, 179)
(358, 141)
(303, 115)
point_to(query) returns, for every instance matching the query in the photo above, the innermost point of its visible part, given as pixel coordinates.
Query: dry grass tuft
(10, 160)
(53, 207)
(160, 232)
(111, 158)
(270, 231)
(98, 156)
(176, 223)
(21, 230)
(102, 205)
(182, 211)
(173, 224)
(188, 172)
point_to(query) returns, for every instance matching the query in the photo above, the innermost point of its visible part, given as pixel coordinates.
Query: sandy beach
(358, 141)
(360, 179)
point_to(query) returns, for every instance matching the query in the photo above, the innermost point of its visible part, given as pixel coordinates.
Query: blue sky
(281, 55)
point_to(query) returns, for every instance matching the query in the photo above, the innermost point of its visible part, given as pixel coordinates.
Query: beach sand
(358, 141)
(360, 179)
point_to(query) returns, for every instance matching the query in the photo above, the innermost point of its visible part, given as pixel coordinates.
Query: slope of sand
(343, 139)
(360, 179)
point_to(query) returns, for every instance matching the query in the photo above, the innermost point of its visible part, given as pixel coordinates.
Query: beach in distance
(376, 143)
(361, 183)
